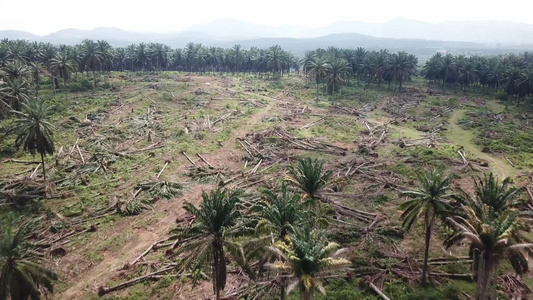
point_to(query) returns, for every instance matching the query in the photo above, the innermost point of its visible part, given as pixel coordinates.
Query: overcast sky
(43, 17)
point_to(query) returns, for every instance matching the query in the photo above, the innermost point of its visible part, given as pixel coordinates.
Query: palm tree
(105, 51)
(317, 67)
(274, 59)
(16, 92)
(280, 213)
(378, 62)
(308, 175)
(467, 74)
(63, 66)
(306, 61)
(217, 220)
(492, 238)
(159, 54)
(335, 74)
(14, 70)
(92, 58)
(446, 68)
(401, 66)
(305, 260)
(489, 191)
(430, 201)
(22, 275)
(34, 132)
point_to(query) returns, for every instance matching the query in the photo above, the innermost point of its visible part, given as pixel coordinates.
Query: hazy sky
(43, 17)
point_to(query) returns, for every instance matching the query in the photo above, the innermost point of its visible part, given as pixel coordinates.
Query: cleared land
(191, 133)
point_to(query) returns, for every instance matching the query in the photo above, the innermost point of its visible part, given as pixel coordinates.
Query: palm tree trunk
(484, 276)
(44, 170)
(429, 226)
(94, 79)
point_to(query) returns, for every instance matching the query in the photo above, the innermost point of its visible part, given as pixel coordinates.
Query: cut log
(463, 157)
(26, 162)
(509, 161)
(313, 123)
(189, 159)
(160, 172)
(103, 290)
(142, 255)
(34, 171)
(378, 291)
(81, 155)
(251, 155)
(205, 161)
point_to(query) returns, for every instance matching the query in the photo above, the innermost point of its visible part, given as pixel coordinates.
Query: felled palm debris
(269, 145)
(20, 192)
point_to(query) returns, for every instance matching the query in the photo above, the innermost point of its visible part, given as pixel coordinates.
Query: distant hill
(485, 32)
(16, 34)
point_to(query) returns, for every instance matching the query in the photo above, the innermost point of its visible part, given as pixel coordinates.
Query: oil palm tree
(308, 176)
(275, 59)
(16, 69)
(492, 238)
(16, 92)
(489, 191)
(305, 260)
(430, 201)
(22, 274)
(317, 67)
(92, 59)
(34, 131)
(217, 220)
(63, 66)
(280, 213)
(401, 66)
(335, 74)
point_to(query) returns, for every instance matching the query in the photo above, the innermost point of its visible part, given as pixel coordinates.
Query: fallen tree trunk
(103, 290)
(378, 291)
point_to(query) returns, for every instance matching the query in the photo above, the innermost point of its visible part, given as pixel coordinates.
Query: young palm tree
(34, 132)
(16, 92)
(218, 219)
(489, 191)
(280, 213)
(22, 276)
(430, 201)
(305, 260)
(492, 238)
(308, 175)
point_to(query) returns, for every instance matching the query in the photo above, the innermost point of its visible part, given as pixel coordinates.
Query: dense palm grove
(282, 237)
(512, 74)
(330, 68)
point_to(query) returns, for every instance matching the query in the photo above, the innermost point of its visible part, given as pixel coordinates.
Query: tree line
(510, 73)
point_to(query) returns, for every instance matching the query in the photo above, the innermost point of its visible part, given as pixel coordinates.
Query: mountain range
(485, 32)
